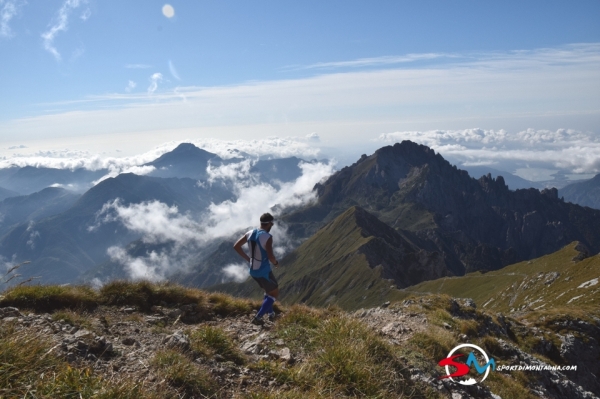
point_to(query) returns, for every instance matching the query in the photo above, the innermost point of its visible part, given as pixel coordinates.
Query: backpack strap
(252, 241)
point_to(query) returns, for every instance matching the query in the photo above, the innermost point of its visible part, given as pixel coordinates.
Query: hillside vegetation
(144, 340)
(564, 278)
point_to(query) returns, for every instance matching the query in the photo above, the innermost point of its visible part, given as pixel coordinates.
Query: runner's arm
(269, 248)
(238, 247)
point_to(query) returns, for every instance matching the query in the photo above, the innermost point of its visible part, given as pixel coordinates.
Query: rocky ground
(120, 342)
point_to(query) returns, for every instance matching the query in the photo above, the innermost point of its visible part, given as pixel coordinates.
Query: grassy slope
(550, 281)
(330, 268)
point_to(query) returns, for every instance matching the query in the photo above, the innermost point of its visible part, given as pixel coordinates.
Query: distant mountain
(21, 209)
(513, 182)
(584, 193)
(186, 160)
(62, 247)
(29, 179)
(4, 193)
(476, 224)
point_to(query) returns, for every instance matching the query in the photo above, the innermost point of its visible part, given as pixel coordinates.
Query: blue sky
(84, 78)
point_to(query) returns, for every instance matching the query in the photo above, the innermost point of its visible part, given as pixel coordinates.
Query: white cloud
(66, 186)
(74, 159)
(252, 200)
(154, 79)
(184, 235)
(151, 267)
(8, 10)
(235, 272)
(115, 170)
(33, 235)
(233, 171)
(60, 24)
(130, 86)
(156, 221)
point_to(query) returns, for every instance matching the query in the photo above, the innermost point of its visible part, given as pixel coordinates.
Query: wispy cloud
(569, 54)
(86, 14)
(60, 24)
(130, 86)
(173, 70)
(154, 79)
(374, 61)
(8, 10)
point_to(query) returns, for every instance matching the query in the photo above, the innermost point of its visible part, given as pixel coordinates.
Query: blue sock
(266, 305)
(270, 308)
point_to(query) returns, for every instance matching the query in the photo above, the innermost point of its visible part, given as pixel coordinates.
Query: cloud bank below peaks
(566, 149)
(180, 240)
(270, 147)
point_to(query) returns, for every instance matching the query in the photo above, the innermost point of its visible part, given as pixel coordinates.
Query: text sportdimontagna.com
(536, 368)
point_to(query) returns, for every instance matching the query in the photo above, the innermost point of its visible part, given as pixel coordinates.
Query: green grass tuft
(189, 378)
(226, 305)
(344, 358)
(211, 341)
(47, 298)
(144, 294)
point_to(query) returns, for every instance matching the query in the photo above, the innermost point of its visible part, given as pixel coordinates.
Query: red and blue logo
(463, 370)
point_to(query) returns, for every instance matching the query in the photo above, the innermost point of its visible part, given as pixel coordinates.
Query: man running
(260, 243)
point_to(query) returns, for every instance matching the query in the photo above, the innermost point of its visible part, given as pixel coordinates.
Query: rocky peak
(476, 224)
(186, 152)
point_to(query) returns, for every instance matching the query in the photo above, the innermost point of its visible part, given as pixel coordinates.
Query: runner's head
(266, 221)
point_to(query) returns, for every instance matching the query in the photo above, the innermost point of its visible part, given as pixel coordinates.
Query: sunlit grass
(181, 373)
(29, 369)
(211, 341)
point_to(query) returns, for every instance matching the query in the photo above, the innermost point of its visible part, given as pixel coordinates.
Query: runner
(260, 243)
